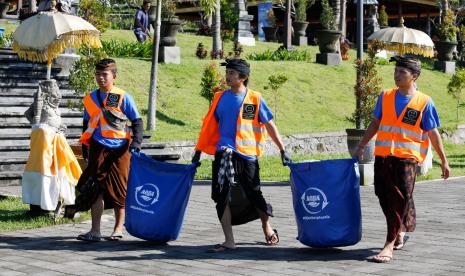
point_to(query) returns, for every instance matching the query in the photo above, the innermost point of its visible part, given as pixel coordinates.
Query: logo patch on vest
(113, 100)
(411, 116)
(248, 111)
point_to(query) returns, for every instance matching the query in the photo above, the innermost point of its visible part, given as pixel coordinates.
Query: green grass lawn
(13, 216)
(316, 97)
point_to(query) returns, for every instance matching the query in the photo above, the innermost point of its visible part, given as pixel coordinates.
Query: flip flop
(115, 236)
(401, 245)
(381, 259)
(269, 240)
(89, 237)
(220, 248)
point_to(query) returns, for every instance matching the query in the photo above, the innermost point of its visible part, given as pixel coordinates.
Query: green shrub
(383, 17)
(280, 55)
(82, 75)
(201, 51)
(301, 9)
(327, 16)
(447, 30)
(229, 16)
(275, 82)
(6, 40)
(121, 48)
(95, 13)
(212, 82)
(456, 88)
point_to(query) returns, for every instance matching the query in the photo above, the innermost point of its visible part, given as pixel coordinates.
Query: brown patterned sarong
(107, 173)
(394, 184)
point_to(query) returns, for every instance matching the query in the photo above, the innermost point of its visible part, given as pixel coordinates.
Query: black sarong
(244, 197)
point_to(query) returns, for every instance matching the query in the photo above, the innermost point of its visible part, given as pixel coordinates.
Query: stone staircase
(18, 83)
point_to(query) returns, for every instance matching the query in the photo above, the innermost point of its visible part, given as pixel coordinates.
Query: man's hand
(445, 170)
(134, 147)
(285, 157)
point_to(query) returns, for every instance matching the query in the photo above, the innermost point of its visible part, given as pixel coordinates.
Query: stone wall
(312, 143)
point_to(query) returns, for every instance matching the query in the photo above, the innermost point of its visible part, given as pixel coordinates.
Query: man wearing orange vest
(405, 121)
(234, 130)
(106, 142)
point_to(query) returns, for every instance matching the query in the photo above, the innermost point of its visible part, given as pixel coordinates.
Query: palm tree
(213, 7)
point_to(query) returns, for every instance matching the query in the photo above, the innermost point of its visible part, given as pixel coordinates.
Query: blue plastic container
(157, 197)
(326, 199)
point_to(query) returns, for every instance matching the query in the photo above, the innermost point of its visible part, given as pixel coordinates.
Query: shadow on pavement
(244, 251)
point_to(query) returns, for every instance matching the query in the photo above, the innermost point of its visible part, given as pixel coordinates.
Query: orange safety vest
(97, 118)
(402, 137)
(250, 133)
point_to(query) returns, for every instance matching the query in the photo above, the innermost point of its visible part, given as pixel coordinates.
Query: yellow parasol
(44, 36)
(404, 40)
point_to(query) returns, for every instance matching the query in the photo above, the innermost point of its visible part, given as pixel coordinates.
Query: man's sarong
(107, 173)
(394, 184)
(244, 197)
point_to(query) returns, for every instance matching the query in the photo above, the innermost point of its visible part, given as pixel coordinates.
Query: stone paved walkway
(436, 248)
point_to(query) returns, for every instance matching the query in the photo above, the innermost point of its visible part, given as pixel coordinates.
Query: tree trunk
(336, 5)
(216, 30)
(343, 23)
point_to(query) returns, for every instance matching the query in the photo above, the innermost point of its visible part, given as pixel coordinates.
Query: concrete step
(13, 110)
(28, 73)
(27, 101)
(21, 81)
(71, 131)
(28, 91)
(12, 170)
(18, 65)
(19, 121)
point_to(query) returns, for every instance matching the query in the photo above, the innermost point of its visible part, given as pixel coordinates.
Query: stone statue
(372, 22)
(45, 108)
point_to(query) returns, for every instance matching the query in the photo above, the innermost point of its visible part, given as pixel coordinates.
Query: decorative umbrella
(44, 36)
(404, 40)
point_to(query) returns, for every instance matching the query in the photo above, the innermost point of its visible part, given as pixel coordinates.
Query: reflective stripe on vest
(97, 119)
(403, 145)
(403, 131)
(401, 136)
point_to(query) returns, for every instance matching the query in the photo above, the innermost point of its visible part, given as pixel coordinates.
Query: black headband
(411, 64)
(239, 65)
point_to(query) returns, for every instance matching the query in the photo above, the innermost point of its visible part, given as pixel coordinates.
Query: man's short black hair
(146, 2)
(106, 64)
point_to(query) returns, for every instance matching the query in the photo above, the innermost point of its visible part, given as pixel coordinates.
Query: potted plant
(329, 35)
(447, 32)
(300, 23)
(383, 17)
(366, 90)
(270, 30)
(170, 24)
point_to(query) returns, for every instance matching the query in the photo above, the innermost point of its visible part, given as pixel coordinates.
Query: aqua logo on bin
(147, 194)
(314, 200)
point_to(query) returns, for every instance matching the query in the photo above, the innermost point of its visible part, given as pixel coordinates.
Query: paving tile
(437, 247)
